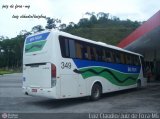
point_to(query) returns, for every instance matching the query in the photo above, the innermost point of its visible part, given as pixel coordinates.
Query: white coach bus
(59, 65)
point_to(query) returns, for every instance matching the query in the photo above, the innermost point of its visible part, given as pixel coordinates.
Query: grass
(2, 71)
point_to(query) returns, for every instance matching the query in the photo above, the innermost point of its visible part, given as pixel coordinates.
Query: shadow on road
(121, 92)
(52, 103)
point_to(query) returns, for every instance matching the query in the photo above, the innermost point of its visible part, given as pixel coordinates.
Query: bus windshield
(36, 42)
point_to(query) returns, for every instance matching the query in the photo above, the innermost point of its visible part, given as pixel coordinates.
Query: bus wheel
(139, 84)
(96, 92)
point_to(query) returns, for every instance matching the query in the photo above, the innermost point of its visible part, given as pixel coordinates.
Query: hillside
(110, 31)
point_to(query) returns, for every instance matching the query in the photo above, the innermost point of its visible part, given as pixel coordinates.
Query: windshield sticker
(36, 43)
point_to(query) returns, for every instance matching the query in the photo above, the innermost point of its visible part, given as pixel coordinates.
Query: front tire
(96, 92)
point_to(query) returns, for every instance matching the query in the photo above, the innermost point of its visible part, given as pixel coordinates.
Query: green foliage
(100, 27)
(11, 51)
(52, 23)
(37, 28)
(2, 71)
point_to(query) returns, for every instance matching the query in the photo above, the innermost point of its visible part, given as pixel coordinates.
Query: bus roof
(87, 40)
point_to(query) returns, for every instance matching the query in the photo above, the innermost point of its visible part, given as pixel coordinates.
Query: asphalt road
(12, 100)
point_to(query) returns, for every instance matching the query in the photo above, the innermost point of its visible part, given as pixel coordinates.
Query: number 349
(66, 65)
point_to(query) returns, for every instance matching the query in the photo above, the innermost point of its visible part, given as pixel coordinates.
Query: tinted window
(78, 50)
(122, 56)
(72, 49)
(92, 53)
(84, 52)
(108, 55)
(117, 57)
(99, 53)
(64, 47)
(136, 60)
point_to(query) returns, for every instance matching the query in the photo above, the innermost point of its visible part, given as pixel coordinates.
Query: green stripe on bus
(115, 77)
(36, 46)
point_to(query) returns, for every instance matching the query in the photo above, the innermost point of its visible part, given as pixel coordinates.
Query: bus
(60, 65)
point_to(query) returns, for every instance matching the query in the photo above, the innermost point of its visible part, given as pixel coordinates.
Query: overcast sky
(70, 10)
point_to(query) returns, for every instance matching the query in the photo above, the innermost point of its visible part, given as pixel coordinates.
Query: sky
(68, 11)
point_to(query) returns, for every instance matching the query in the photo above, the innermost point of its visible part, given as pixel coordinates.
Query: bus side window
(118, 60)
(122, 55)
(64, 46)
(136, 60)
(93, 57)
(99, 53)
(72, 49)
(112, 55)
(132, 59)
(84, 52)
(127, 59)
(108, 56)
(78, 50)
(103, 55)
(89, 53)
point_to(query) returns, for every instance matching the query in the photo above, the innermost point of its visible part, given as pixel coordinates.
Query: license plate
(34, 90)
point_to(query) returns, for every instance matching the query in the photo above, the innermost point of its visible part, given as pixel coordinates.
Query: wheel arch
(97, 82)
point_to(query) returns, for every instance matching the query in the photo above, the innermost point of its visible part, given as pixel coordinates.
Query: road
(12, 100)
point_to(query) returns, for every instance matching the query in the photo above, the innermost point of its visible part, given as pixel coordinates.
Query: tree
(3, 38)
(90, 13)
(62, 26)
(52, 23)
(103, 16)
(84, 22)
(71, 24)
(11, 51)
(93, 18)
(37, 28)
(114, 18)
(25, 32)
